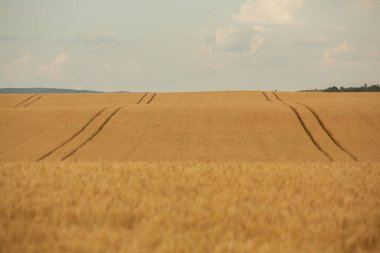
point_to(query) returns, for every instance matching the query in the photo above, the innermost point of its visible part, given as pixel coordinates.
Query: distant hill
(45, 90)
(363, 88)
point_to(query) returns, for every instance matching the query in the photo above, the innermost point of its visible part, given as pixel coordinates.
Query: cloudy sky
(182, 45)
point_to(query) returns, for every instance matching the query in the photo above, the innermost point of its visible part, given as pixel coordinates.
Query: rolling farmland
(220, 126)
(190, 172)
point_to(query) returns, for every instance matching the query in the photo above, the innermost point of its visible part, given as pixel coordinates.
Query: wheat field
(236, 171)
(209, 126)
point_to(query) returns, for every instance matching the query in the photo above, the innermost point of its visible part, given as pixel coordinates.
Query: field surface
(208, 126)
(190, 172)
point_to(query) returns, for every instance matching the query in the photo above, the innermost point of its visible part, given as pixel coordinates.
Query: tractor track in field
(26, 100)
(266, 97)
(328, 132)
(72, 137)
(94, 134)
(151, 99)
(31, 102)
(275, 94)
(142, 98)
(304, 127)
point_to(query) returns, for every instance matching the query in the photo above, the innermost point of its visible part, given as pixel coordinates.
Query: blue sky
(178, 45)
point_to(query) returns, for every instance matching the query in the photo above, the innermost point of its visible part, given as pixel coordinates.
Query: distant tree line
(363, 88)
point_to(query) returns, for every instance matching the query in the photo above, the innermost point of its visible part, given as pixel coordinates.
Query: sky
(182, 45)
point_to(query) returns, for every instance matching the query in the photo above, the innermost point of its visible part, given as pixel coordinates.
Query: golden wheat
(189, 207)
(209, 126)
(181, 172)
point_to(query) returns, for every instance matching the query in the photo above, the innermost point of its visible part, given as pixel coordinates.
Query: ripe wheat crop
(210, 126)
(190, 172)
(189, 207)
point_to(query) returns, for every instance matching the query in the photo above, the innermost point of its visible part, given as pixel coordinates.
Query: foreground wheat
(169, 207)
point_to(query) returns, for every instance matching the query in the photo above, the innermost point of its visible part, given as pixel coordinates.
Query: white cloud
(348, 54)
(55, 66)
(253, 18)
(20, 66)
(256, 43)
(27, 68)
(268, 12)
(339, 54)
(20, 62)
(363, 3)
(237, 38)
